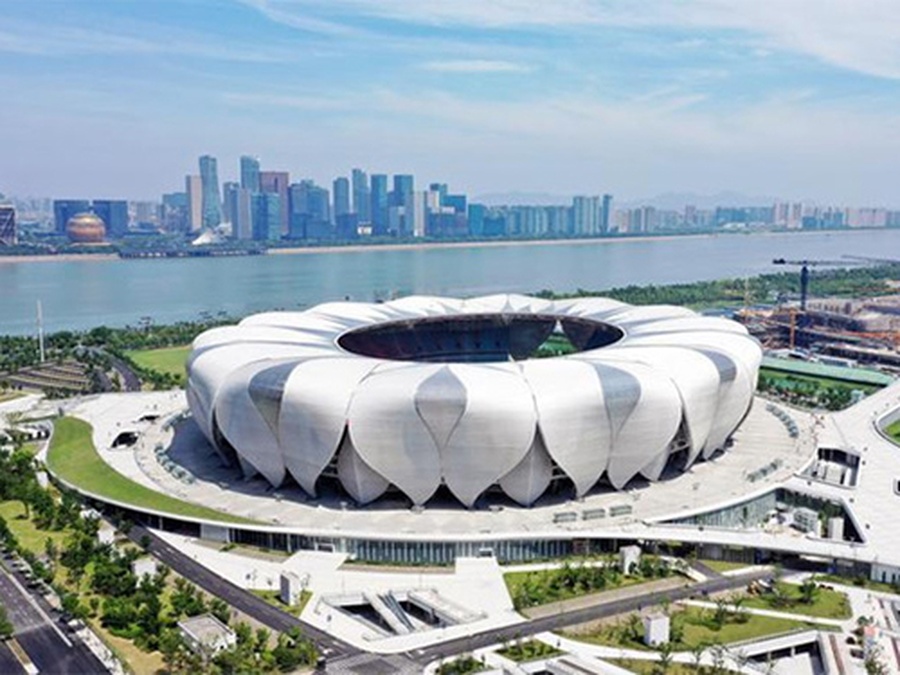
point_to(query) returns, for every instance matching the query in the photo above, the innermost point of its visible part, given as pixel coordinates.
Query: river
(78, 294)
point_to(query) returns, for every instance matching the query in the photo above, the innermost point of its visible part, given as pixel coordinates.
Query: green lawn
(821, 382)
(893, 430)
(73, 458)
(170, 360)
(25, 531)
(533, 589)
(272, 597)
(827, 604)
(530, 650)
(722, 566)
(859, 582)
(698, 628)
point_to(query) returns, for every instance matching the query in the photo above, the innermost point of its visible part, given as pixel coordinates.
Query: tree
(662, 666)
(220, 609)
(809, 589)
(6, 627)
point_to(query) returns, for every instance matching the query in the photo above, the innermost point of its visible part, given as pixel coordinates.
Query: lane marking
(39, 610)
(22, 657)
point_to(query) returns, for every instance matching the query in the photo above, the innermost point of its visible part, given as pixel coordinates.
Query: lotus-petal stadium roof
(428, 391)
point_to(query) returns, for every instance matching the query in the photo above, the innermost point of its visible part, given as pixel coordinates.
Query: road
(340, 653)
(240, 599)
(583, 615)
(48, 647)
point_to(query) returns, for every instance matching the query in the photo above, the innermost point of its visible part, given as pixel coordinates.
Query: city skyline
(770, 99)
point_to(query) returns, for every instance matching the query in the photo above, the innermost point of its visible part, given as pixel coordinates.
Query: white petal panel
(572, 417)
(388, 433)
(648, 314)
(597, 307)
(425, 305)
(494, 433)
(646, 431)
(530, 477)
(242, 424)
(696, 378)
(363, 484)
(208, 369)
(314, 415)
(683, 324)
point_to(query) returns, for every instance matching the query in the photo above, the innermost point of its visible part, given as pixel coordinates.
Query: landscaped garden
(162, 367)
(691, 628)
(808, 598)
(274, 599)
(529, 650)
(530, 589)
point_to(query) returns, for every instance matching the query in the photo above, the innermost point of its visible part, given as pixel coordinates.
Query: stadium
(430, 398)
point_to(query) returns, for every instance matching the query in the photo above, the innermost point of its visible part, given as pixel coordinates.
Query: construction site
(833, 332)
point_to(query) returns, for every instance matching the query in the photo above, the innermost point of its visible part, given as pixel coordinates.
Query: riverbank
(449, 245)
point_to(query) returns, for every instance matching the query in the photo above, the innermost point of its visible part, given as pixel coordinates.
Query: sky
(793, 98)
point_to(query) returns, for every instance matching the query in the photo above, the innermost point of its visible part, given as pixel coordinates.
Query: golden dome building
(86, 228)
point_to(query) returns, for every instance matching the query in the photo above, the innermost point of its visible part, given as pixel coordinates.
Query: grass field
(821, 382)
(827, 604)
(858, 582)
(516, 580)
(10, 396)
(698, 628)
(722, 566)
(24, 530)
(647, 667)
(73, 458)
(170, 360)
(272, 597)
(893, 430)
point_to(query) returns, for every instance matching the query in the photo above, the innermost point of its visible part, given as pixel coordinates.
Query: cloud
(475, 66)
(858, 35)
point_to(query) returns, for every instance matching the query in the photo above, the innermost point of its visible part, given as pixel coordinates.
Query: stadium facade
(423, 394)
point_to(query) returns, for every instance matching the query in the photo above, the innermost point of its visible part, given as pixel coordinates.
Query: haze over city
(773, 98)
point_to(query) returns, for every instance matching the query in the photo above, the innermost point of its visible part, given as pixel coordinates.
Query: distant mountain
(678, 200)
(522, 198)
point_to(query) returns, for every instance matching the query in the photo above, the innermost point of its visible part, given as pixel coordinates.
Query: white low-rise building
(205, 634)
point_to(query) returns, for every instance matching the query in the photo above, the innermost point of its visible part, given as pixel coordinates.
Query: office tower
(418, 214)
(476, 219)
(441, 189)
(175, 212)
(341, 189)
(211, 199)
(266, 216)
(250, 173)
(238, 208)
(114, 214)
(607, 213)
(403, 188)
(227, 187)
(361, 200)
(146, 213)
(277, 183)
(310, 211)
(347, 226)
(456, 202)
(379, 207)
(194, 189)
(8, 232)
(64, 209)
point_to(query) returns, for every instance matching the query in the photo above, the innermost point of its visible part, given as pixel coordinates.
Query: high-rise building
(403, 187)
(379, 208)
(266, 216)
(227, 187)
(361, 200)
(193, 187)
(341, 189)
(277, 183)
(476, 220)
(211, 197)
(64, 209)
(145, 213)
(606, 214)
(175, 212)
(238, 207)
(8, 232)
(586, 216)
(114, 214)
(310, 211)
(250, 173)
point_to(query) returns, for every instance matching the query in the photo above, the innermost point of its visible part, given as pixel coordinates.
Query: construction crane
(804, 266)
